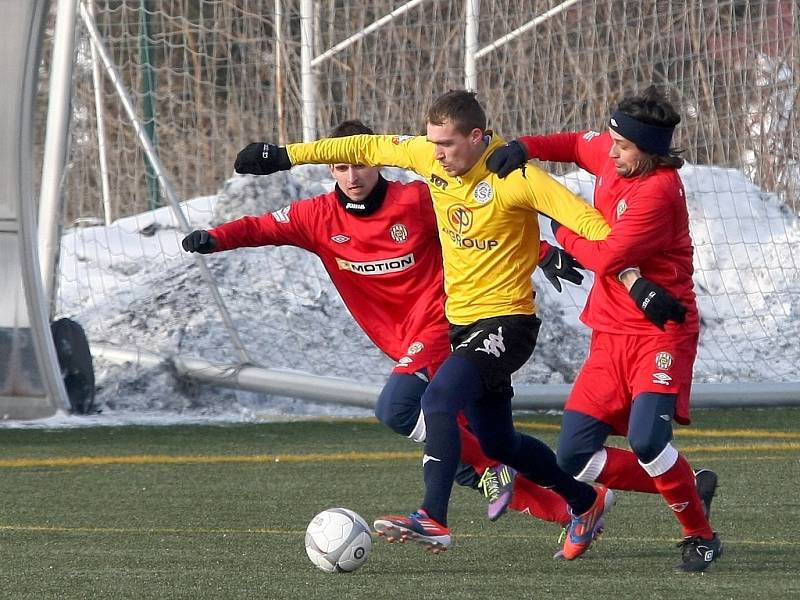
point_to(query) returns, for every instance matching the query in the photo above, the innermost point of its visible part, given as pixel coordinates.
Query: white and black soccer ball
(338, 540)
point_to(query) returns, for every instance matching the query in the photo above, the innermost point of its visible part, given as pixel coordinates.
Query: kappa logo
(662, 378)
(466, 342)
(282, 215)
(340, 239)
(493, 344)
(622, 206)
(399, 233)
(483, 192)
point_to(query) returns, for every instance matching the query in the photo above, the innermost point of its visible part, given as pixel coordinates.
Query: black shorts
(498, 346)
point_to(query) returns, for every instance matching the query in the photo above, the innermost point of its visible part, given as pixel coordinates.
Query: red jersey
(649, 229)
(387, 267)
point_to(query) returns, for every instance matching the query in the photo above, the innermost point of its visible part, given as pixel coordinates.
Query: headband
(649, 138)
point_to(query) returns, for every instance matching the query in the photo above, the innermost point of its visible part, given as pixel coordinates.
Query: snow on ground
(131, 286)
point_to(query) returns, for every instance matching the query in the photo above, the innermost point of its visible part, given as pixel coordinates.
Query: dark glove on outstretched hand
(199, 241)
(656, 303)
(559, 264)
(506, 158)
(261, 158)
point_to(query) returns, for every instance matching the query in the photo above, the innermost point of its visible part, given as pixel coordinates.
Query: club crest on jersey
(483, 192)
(399, 139)
(282, 214)
(663, 361)
(622, 206)
(340, 238)
(399, 233)
(415, 348)
(460, 218)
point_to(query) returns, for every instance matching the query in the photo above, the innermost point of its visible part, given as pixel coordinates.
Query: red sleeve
(286, 226)
(544, 248)
(645, 229)
(587, 149)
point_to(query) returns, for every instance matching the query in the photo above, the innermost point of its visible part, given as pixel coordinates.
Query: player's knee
(398, 405)
(647, 446)
(571, 459)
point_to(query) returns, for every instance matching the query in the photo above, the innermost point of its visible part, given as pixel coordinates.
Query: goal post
(30, 380)
(226, 73)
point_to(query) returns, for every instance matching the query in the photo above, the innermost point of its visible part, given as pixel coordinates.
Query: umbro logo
(679, 506)
(426, 458)
(340, 239)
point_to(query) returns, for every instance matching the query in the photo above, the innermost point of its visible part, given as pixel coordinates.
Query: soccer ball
(338, 540)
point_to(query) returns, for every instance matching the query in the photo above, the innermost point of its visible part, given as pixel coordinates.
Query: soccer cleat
(583, 528)
(697, 554)
(706, 482)
(418, 527)
(497, 484)
(599, 527)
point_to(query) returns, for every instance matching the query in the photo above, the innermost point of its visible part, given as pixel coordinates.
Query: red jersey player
(638, 375)
(378, 241)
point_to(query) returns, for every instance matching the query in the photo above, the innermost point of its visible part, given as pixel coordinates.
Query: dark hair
(351, 127)
(461, 108)
(653, 108)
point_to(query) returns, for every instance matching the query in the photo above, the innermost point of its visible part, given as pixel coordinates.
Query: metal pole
(529, 25)
(101, 128)
(307, 79)
(148, 107)
(56, 142)
(278, 18)
(472, 11)
(150, 152)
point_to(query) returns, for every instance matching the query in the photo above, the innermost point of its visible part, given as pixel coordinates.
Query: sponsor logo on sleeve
(282, 215)
(590, 135)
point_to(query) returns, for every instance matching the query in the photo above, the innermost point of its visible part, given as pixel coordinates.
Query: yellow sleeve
(407, 152)
(550, 198)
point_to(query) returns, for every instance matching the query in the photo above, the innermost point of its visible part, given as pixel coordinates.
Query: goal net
(207, 77)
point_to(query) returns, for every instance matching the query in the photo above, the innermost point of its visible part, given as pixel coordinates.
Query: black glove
(199, 241)
(507, 158)
(656, 303)
(560, 264)
(260, 158)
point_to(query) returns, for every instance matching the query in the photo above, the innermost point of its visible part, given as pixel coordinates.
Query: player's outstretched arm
(505, 159)
(261, 158)
(557, 264)
(200, 241)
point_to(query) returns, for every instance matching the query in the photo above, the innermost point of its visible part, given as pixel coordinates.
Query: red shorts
(427, 350)
(620, 367)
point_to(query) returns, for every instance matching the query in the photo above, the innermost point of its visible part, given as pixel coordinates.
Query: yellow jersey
(488, 226)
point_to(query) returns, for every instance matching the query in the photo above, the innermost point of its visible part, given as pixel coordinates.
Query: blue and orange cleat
(584, 528)
(418, 527)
